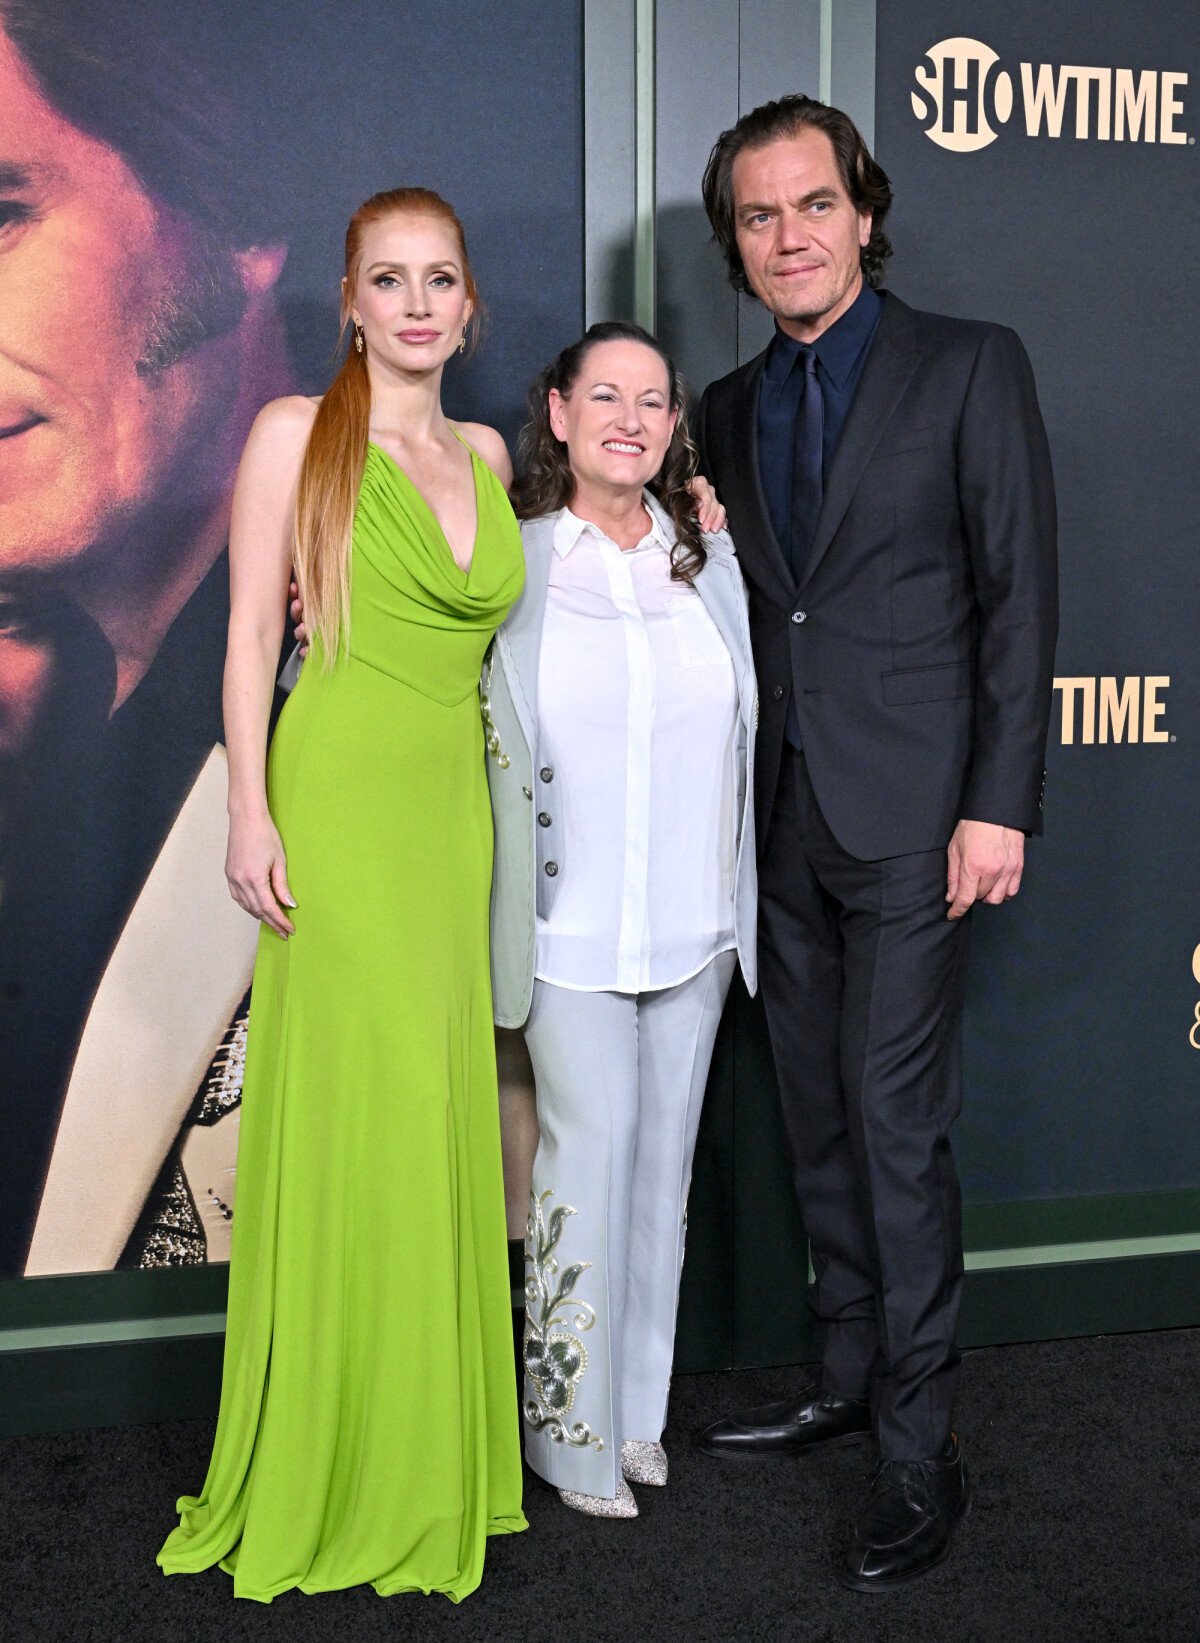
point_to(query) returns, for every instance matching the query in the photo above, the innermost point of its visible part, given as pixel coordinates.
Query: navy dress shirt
(841, 354)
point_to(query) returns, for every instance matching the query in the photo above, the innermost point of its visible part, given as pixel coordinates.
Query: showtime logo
(1108, 709)
(963, 95)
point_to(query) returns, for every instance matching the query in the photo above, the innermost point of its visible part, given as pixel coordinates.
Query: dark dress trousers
(914, 658)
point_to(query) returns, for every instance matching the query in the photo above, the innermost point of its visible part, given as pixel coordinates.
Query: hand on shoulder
(721, 543)
(491, 447)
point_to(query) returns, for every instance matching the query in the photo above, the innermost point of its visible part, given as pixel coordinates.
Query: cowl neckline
(387, 490)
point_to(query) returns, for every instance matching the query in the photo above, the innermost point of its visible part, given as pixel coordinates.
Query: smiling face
(798, 231)
(617, 420)
(108, 400)
(410, 293)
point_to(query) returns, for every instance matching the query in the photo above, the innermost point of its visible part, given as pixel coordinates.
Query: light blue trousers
(620, 1080)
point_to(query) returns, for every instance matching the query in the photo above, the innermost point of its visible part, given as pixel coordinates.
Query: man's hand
(710, 514)
(297, 611)
(985, 863)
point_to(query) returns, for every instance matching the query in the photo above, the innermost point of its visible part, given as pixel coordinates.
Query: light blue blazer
(529, 860)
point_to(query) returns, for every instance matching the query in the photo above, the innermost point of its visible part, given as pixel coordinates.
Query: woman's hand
(256, 870)
(709, 512)
(296, 608)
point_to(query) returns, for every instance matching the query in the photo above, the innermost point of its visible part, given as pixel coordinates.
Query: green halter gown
(368, 1428)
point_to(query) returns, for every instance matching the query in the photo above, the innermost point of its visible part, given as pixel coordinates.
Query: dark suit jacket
(920, 642)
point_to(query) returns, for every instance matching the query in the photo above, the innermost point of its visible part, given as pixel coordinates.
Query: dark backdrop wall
(1076, 223)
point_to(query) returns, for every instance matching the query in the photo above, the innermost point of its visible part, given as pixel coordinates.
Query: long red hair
(332, 470)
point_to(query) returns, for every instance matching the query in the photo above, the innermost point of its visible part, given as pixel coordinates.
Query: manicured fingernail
(289, 901)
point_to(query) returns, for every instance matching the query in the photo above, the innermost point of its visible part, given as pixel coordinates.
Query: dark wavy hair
(181, 92)
(863, 178)
(546, 482)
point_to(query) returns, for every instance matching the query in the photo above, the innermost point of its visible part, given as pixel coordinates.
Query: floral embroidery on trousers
(555, 1357)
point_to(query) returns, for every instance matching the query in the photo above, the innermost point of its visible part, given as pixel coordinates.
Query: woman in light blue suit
(620, 707)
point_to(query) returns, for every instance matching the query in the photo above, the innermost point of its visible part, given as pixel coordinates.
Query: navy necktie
(807, 454)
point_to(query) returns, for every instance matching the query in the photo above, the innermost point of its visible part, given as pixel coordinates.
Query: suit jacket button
(777, 693)
(547, 774)
(551, 869)
(527, 793)
(543, 819)
(799, 616)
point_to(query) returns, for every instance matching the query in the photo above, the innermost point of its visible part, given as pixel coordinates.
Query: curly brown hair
(863, 178)
(546, 482)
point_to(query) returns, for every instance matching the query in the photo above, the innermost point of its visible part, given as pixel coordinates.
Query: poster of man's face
(174, 190)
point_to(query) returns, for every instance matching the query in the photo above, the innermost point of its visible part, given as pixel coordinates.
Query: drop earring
(358, 337)
(462, 341)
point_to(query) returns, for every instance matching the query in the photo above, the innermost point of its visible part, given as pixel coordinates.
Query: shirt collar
(568, 528)
(837, 348)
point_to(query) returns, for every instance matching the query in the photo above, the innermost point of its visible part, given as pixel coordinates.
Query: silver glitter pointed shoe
(644, 1462)
(622, 1504)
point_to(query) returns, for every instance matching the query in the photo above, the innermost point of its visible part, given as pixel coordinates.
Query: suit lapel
(758, 547)
(157, 1017)
(519, 640)
(890, 365)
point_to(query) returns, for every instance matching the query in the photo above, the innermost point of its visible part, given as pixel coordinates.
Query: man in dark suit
(889, 490)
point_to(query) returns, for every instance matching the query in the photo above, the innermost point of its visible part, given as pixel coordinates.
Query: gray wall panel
(715, 61)
(781, 49)
(852, 62)
(610, 158)
(697, 79)
(781, 53)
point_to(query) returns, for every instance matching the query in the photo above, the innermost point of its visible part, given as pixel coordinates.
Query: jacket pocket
(912, 439)
(927, 684)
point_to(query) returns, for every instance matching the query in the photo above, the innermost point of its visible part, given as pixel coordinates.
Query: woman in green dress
(367, 1430)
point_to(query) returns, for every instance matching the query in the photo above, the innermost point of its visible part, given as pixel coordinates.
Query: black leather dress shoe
(908, 1522)
(790, 1428)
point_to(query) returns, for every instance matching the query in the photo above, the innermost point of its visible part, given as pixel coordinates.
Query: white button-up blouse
(637, 709)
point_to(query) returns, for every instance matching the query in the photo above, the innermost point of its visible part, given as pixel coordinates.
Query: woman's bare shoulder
(286, 421)
(490, 446)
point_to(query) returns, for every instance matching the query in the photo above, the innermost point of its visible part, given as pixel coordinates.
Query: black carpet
(1086, 1526)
